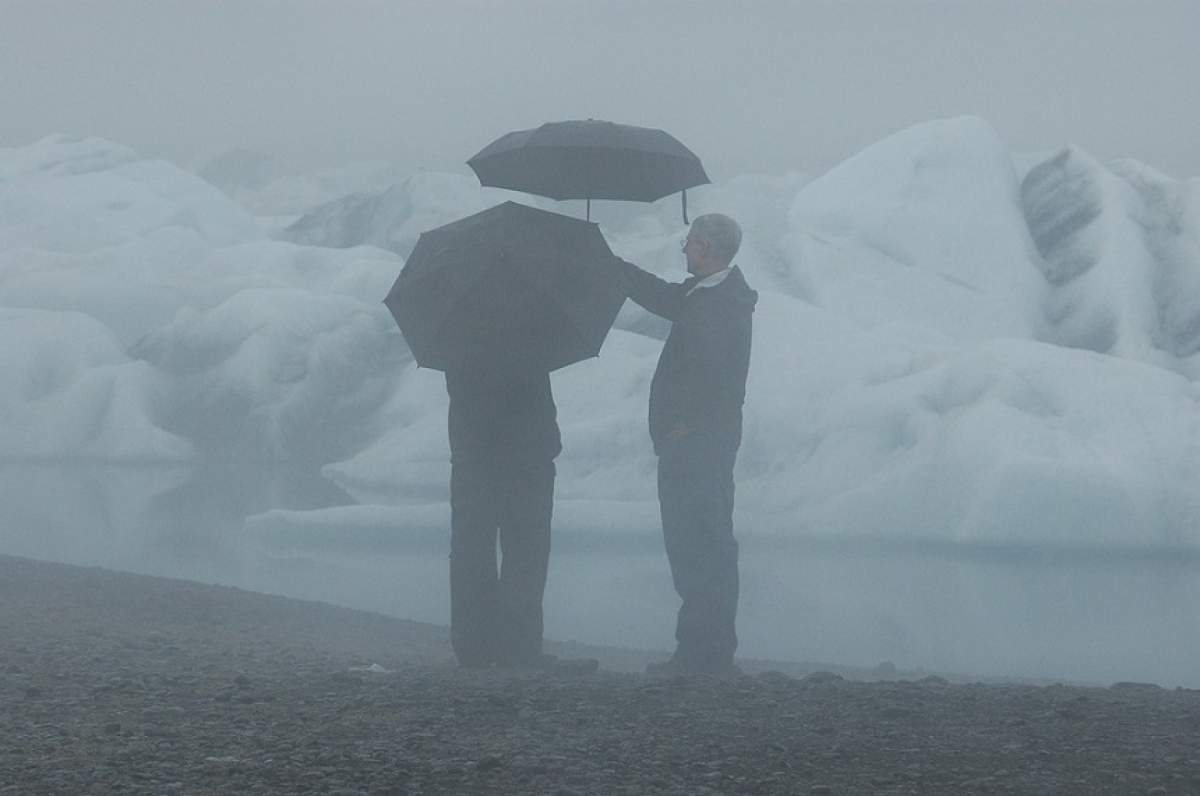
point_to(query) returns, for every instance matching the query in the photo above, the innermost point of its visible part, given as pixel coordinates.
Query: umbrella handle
(684, 197)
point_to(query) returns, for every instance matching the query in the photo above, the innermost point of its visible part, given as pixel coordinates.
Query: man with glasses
(696, 400)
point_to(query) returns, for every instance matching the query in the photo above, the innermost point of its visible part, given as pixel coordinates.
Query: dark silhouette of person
(695, 420)
(503, 440)
(504, 437)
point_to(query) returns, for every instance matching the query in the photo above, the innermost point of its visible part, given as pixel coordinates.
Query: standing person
(696, 400)
(504, 437)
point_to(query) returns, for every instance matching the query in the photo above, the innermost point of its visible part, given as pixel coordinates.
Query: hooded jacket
(700, 381)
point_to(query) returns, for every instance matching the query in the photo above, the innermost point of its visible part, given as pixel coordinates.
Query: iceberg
(954, 342)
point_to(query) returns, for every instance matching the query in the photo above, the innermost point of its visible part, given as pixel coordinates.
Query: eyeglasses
(683, 244)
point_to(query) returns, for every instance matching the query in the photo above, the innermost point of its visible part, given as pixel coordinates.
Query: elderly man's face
(696, 250)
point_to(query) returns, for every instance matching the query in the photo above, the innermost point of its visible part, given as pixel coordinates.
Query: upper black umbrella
(590, 160)
(510, 287)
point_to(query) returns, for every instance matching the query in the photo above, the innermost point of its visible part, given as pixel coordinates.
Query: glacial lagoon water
(1088, 615)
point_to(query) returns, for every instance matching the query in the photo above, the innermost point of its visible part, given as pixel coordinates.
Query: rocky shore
(118, 683)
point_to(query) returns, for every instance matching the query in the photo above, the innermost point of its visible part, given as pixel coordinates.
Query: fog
(971, 431)
(769, 87)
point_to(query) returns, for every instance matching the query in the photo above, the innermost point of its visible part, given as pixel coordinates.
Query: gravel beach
(119, 683)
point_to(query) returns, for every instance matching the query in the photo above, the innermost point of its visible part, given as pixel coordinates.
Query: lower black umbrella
(510, 287)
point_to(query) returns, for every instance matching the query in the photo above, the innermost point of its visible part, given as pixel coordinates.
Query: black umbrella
(510, 287)
(590, 160)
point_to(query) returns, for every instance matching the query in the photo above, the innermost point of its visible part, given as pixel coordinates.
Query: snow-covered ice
(954, 344)
(941, 350)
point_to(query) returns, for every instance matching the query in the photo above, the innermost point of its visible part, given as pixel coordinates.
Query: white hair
(721, 232)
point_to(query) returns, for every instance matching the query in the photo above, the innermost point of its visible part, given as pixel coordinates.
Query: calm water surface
(1090, 615)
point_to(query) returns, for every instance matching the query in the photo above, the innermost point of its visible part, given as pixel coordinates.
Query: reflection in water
(199, 521)
(985, 612)
(1099, 615)
(79, 514)
(175, 521)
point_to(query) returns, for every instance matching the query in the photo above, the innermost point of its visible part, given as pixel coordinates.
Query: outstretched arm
(656, 295)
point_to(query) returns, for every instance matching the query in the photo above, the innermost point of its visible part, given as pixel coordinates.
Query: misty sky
(752, 87)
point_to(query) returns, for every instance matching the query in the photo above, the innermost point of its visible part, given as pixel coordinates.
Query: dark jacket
(700, 381)
(509, 417)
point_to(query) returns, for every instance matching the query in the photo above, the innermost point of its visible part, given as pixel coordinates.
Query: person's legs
(474, 584)
(528, 504)
(695, 484)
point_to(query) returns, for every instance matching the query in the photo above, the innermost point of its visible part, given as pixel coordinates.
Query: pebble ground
(118, 683)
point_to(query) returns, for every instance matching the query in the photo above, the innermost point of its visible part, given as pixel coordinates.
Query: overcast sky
(750, 86)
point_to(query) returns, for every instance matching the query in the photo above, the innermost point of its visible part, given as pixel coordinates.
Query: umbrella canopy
(512, 287)
(589, 159)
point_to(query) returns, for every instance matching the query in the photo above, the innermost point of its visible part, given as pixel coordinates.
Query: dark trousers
(695, 493)
(496, 612)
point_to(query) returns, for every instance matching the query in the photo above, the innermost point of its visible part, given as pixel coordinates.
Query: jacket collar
(712, 280)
